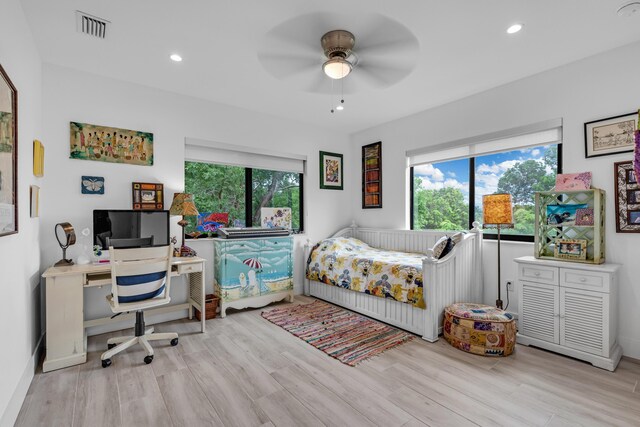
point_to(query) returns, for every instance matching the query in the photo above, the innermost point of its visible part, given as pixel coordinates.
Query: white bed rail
(455, 278)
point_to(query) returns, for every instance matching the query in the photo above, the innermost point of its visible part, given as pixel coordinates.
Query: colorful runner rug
(342, 334)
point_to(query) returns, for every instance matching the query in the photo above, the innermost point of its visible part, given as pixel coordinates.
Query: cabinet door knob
(537, 273)
(583, 279)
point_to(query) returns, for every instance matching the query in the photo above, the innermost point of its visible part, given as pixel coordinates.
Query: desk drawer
(588, 280)
(538, 274)
(189, 268)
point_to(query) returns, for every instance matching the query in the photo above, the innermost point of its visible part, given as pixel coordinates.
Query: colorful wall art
(209, 222)
(275, 217)
(108, 144)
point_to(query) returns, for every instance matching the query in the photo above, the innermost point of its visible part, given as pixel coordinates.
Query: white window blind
(543, 133)
(197, 150)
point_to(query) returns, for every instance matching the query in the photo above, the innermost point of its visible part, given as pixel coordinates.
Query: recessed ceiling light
(339, 108)
(629, 9)
(175, 57)
(514, 28)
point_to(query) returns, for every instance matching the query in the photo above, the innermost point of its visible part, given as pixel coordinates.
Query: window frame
(248, 194)
(472, 197)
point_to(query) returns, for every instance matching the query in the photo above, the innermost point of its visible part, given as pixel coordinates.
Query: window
(448, 195)
(242, 191)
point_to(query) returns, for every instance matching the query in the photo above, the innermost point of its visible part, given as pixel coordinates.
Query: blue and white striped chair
(140, 279)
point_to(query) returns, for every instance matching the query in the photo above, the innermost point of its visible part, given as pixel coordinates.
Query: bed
(456, 277)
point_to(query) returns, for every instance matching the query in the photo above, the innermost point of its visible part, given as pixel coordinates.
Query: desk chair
(140, 279)
(141, 242)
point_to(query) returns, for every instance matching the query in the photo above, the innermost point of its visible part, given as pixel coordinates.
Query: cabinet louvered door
(539, 308)
(583, 320)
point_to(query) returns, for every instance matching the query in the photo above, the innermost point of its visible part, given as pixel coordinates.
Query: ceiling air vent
(91, 25)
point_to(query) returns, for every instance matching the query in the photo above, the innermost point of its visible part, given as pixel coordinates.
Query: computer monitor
(130, 229)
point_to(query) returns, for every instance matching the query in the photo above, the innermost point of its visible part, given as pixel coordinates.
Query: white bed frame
(455, 278)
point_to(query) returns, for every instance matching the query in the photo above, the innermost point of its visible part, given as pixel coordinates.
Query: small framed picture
(331, 171)
(92, 185)
(561, 215)
(147, 196)
(634, 217)
(628, 198)
(610, 136)
(633, 197)
(584, 217)
(573, 181)
(571, 249)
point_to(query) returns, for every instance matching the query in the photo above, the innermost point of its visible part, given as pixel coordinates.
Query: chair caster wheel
(106, 363)
(148, 359)
(110, 346)
(174, 342)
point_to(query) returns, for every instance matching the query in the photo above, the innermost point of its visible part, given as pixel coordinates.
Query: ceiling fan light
(337, 68)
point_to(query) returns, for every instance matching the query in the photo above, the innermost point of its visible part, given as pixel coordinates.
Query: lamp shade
(497, 209)
(183, 205)
(337, 68)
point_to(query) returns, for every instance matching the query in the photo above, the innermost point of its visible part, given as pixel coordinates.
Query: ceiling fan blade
(381, 76)
(285, 65)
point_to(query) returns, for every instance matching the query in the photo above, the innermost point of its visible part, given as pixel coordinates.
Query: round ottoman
(479, 329)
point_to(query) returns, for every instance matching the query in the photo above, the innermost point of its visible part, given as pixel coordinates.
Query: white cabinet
(569, 308)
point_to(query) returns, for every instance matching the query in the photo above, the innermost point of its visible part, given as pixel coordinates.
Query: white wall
(597, 87)
(19, 256)
(76, 96)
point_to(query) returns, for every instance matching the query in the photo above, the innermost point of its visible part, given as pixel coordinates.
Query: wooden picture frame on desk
(372, 176)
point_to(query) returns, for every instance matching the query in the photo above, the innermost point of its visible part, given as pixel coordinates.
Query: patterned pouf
(480, 329)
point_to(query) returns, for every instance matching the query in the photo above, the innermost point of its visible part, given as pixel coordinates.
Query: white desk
(66, 343)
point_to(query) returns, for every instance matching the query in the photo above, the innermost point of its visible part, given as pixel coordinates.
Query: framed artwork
(34, 193)
(562, 215)
(331, 171)
(573, 181)
(627, 198)
(147, 196)
(275, 217)
(610, 136)
(372, 176)
(8, 155)
(112, 145)
(211, 221)
(38, 158)
(571, 249)
(584, 217)
(92, 185)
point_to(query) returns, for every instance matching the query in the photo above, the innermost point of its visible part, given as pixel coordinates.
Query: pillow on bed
(440, 246)
(457, 237)
(447, 248)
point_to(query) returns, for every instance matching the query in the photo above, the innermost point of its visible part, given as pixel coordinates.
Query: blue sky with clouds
(489, 169)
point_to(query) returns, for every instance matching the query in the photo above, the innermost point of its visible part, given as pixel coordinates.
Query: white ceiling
(463, 48)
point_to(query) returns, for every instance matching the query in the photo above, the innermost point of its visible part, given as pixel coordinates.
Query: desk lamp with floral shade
(183, 205)
(497, 210)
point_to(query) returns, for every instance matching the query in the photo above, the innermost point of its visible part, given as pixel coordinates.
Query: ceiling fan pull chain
(331, 97)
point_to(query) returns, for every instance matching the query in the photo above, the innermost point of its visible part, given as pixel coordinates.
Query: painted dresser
(570, 308)
(252, 272)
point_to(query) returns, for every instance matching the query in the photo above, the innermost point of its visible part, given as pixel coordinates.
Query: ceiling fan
(374, 53)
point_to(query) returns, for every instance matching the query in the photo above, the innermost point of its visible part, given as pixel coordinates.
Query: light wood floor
(246, 371)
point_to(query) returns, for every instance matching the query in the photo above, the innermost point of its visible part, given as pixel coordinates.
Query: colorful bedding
(352, 264)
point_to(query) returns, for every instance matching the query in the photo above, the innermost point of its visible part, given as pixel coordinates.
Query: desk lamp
(183, 205)
(497, 210)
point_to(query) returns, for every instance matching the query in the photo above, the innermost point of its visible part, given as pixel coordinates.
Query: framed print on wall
(610, 136)
(627, 198)
(331, 171)
(372, 176)
(109, 144)
(147, 196)
(8, 155)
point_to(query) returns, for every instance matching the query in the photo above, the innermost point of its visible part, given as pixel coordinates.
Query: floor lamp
(497, 210)
(183, 205)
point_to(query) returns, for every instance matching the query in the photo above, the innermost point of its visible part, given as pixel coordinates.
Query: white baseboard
(15, 403)
(630, 347)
